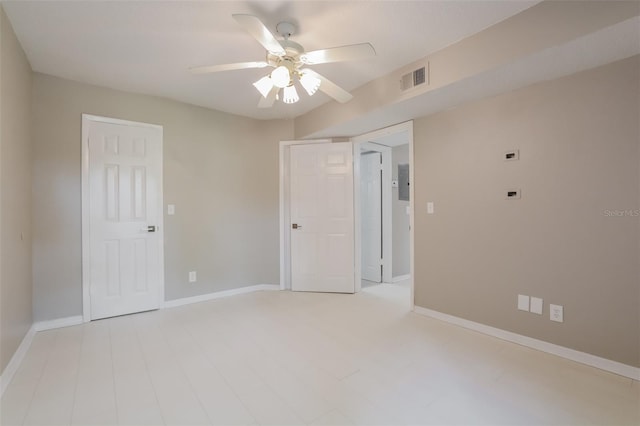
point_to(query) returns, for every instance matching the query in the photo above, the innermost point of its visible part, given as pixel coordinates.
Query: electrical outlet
(512, 155)
(513, 194)
(556, 313)
(193, 277)
(536, 305)
(523, 302)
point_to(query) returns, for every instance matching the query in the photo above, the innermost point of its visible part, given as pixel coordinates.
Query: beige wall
(401, 220)
(579, 144)
(548, 24)
(220, 170)
(15, 193)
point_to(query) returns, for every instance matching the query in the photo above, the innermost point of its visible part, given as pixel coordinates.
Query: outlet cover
(536, 305)
(556, 313)
(523, 302)
(430, 207)
(193, 277)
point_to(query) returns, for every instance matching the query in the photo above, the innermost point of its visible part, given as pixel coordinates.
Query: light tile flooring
(278, 358)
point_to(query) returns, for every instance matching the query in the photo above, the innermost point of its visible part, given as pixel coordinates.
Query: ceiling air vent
(413, 79)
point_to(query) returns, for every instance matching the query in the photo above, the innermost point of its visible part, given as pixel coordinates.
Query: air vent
(414, 79)
(418, 76)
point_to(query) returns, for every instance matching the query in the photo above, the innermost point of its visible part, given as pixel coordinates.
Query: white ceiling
(148, 46)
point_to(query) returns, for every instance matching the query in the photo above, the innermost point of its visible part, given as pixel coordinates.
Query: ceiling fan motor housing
(293, 51)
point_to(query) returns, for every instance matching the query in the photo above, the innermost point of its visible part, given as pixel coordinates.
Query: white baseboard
(58, 323)
(561, 351)
(400, 278)
(11, 368)
(220, 294)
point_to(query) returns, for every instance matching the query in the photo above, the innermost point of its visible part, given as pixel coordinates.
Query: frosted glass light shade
(310, 83)
(280, 77)
(264, 85)
(290, 95)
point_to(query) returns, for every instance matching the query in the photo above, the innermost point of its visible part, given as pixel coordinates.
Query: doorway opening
(383, 171)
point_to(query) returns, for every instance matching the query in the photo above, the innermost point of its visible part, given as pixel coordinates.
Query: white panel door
(371, 215)
(125, 213)
(322, 237)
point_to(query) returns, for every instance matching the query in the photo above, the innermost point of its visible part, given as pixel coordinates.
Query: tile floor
(278, 358)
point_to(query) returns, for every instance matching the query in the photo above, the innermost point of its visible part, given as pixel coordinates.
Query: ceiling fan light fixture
(264, 85)
(290, 95)
(281, 77)
(310, 83)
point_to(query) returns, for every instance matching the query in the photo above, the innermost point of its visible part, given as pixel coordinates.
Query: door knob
(296, 226)
(151, 228)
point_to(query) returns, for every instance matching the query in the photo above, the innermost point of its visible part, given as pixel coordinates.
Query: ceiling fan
(288, 60)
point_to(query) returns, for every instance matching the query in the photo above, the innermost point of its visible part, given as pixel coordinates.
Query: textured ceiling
(147, 47)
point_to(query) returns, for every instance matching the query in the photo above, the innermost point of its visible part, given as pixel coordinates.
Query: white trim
(551, 348)
(400, 278)
(220, 294)
(285, 231)
(357, 227)
(110, 120)
(412, 203)
(86, 236)
(58, 323)
(16, 360)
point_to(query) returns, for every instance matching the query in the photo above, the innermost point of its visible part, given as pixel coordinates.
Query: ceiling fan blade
(338, 54)
(270, 99)
(257, 29)
(330, 88)
(227, 67)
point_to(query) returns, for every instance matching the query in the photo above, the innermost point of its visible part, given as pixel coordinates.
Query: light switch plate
(536, 305)
(171, 209)
(523, 302)
(430, 207)
(193, 277)
(408, 210)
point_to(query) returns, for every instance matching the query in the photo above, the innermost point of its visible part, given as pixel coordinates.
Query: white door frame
(360, 146)
(357, 142)
(285, 205)
(86, 235)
